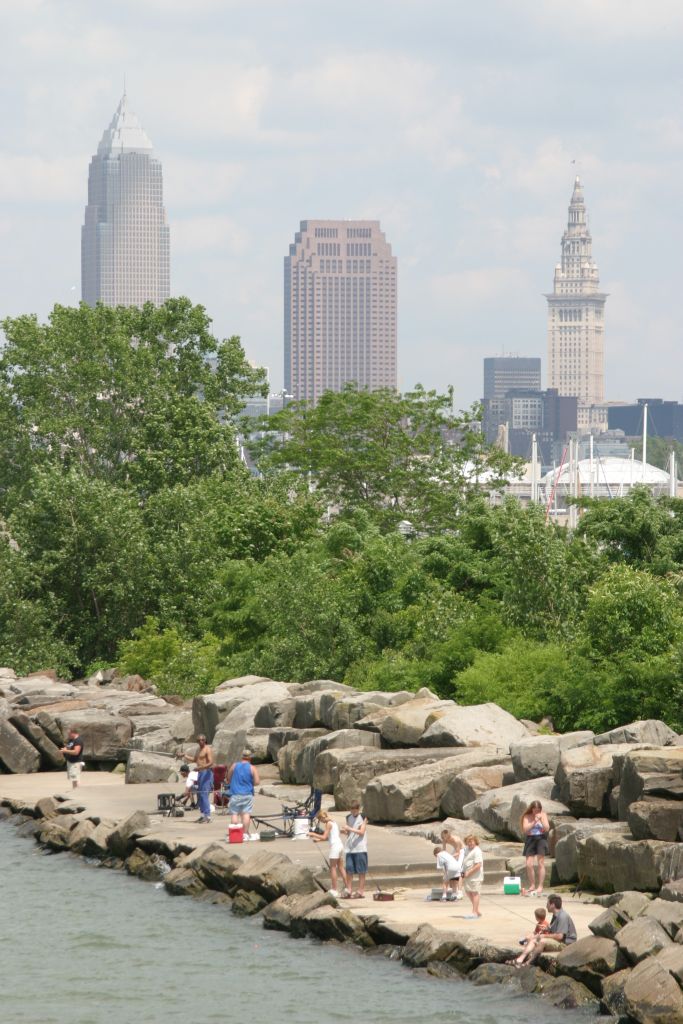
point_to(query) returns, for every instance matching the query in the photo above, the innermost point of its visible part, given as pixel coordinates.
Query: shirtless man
(204, 761)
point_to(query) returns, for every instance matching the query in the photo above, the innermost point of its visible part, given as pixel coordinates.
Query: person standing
(355, 831)
(473, 874)
(330, 832)
(73, 755)
(242, 778)
(204, 761)
(535, 827)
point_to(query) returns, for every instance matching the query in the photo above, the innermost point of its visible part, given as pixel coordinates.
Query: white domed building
(604, 478)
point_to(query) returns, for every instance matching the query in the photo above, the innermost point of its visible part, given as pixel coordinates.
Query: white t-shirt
(447, 863)
(354, 843)
(334, 838)
(472, 857)
(192, 779)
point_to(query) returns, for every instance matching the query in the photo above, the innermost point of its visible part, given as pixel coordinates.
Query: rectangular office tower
(125, 259)
(503, 373)
(340, 308)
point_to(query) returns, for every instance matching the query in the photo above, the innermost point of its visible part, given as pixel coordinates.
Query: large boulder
(289, 753)
(415, 794)
(404, 726)
(494, 810)
(565, 837)
(308, 707)
(611, 863)
(671, 957)
(656, 819)
(649, 774)
(472, 726)
(303, 770)
(641, 938)
(121, 840)
(276, 714)
(537, 756)
(331, 923)
(106, 735)
(278, 738)
(471, 783)
(347, 710)
(209, 710)
(585, 776)
(273, 875)
(462, 950)
(17, 755)
(589, 960)
(669, 915)
(652, 995)
(649, 731)
(284, 913)
(347, 771)
(50, 754)
(626, 909)
(145, 767)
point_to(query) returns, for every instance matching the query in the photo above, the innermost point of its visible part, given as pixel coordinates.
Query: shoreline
(285, 889)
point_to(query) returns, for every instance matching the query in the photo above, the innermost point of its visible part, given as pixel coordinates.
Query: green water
(85, 945)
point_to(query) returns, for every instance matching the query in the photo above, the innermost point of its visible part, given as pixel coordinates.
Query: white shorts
(73, 771)
(336, 851)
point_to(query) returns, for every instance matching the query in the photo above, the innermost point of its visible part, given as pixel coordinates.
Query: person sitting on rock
(561, 931)
(330, 832)
(473, 874)
(451, 868)
(542, 928)
(535, 827)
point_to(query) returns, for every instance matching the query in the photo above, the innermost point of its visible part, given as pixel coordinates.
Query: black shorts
(536, 846)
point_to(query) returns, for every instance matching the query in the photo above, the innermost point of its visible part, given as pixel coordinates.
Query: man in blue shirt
(242, 778)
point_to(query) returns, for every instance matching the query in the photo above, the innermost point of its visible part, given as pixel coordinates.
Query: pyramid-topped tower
(125, 248)
(576, 311)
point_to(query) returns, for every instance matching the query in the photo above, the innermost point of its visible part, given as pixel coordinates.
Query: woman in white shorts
(330, 832)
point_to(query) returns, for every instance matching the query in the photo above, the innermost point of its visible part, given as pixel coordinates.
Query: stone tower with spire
(576, 311)
(125, 251)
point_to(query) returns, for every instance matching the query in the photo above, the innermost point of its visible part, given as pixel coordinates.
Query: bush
(172, 661)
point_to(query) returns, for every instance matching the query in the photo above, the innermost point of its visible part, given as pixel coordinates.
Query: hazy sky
(452, 122)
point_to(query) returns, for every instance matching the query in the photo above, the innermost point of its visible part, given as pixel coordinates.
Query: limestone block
(346, 772)
(494, 809)
(655, 773)
(472, 726)
(17, 755)
(106, 735)
(669, 915)
(332, 923)
(656, 819)
(641, 938)
(415, 794)
(347, 710)
(145, 767)
(650, 730)
(652, 995)
(209, 710)
(406, 723)
(471, 783)
(121, 840)
(671, 957)
(537, 756)
(612, 863)
(273, 875)
(565, 837)
(589, 960)
(625, 910)
(303, 770)
(585, 777)
(289, 753)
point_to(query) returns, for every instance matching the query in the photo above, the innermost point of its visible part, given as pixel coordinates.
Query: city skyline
(434, 124)
(125, 246)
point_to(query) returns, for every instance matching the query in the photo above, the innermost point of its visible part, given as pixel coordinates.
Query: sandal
(357, 896)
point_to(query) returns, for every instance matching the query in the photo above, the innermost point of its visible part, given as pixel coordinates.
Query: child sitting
(451, 868)
(541, 928)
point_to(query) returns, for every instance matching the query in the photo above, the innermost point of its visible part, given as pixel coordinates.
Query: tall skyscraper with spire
(125, 249)
(576, 312)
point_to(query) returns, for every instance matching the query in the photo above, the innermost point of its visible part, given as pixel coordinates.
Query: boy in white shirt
(451, 868)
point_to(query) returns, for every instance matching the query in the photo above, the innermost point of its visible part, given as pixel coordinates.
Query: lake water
(85, 945)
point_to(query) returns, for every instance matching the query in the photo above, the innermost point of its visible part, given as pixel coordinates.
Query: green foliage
(125, 395)
(639, 529)
(173, 661)
(399, 457)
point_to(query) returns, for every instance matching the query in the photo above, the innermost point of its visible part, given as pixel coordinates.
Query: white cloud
(41, 179)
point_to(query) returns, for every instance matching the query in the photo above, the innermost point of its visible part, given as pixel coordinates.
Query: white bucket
(301, 827)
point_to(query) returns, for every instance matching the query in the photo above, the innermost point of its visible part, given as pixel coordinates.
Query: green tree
(399, 457)
(640, 530)
(125, 395)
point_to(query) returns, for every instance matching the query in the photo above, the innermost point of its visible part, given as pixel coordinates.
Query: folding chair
(220, 789)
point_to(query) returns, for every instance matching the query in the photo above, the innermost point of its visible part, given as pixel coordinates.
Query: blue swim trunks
(357, 863)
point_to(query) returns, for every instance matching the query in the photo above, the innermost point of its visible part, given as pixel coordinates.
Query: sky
(455, 124)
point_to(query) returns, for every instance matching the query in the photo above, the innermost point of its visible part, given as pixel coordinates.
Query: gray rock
(611, 863)
(669, 915)
(565, 838)
(331, 923)
(150, 867)
(283, 913)
(273, 875)
(50, 727)
(538, 756)
(494, 810)
(404, 726)
(460, 949)
(215, 866)
(627, 908)
(671, 957)
(613, 998)
(106, 735)
(211, 709)
(16, 753)
(276, 714)
(289, 753)
(95, 843)
(240, 681)
(656, 819)
(641, 938)
(652, 995)
(121, 840)
(344, 712)
(182, 881)
(228, 747)
(585, 776)
(278, 738)
(307, 708)
(568, 994)
(472, 726)
(471, 783)
(415, 794)
(589, 960)
(646, 774)
(346, 772)
(303, 770)
(650, 730)
(672, 891)
(146, 767)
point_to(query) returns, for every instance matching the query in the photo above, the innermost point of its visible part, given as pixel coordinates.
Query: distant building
(125, 248)
(340, 308)
(268, 406)
(502, 373)
(664, 419)
(524, 412)
(576, 311)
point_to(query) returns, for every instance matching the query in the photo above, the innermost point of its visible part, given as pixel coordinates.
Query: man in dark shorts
(355, 831)
(562, 931)
(73, 755)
